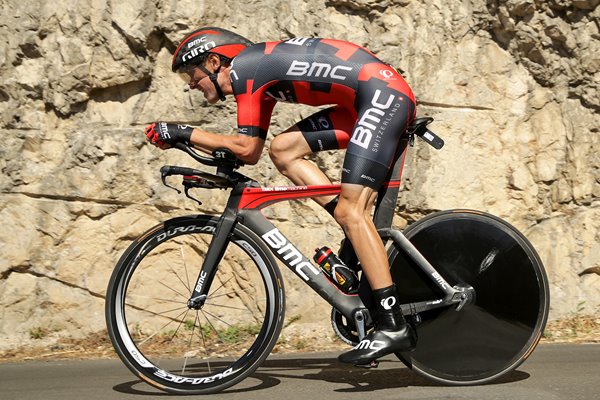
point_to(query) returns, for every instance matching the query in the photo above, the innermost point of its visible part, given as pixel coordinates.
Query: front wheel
(183, 350)
(503, 325)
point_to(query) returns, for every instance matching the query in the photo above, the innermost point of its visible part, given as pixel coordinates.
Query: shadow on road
(357, 380)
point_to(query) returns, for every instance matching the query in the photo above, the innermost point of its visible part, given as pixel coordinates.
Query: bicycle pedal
(369, 365)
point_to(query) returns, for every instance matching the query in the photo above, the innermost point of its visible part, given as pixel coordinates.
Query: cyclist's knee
(354, 205)
(284, 150)
(348, 215)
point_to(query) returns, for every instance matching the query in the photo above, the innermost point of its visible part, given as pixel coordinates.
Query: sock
(330, 207)
(388, 309)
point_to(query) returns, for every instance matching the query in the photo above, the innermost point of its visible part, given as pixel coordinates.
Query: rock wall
(513, 86)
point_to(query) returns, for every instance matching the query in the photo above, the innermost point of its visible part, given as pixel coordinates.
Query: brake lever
(189, 196)
(164, 172)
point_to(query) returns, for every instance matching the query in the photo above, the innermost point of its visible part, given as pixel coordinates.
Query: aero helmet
(207, 40)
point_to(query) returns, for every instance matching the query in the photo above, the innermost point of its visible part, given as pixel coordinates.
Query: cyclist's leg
(384, 113)
(325, 130)
(393, 334)
(353, 213)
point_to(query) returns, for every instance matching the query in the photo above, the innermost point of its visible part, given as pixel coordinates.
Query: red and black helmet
(207, 40)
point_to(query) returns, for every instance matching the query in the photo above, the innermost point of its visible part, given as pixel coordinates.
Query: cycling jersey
(373, 103)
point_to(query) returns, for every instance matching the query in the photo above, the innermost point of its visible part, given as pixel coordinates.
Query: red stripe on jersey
(387, 74)
(254, 109)
(345, 49)
(338, 94)
(246, 110)
(343, 120)
(269, 46)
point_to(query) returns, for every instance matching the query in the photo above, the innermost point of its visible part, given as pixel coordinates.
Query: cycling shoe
(380, 343)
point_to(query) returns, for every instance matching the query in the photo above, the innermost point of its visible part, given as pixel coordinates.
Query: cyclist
(372, 107)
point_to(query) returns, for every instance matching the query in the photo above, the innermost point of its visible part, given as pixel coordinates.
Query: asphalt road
(553, 372)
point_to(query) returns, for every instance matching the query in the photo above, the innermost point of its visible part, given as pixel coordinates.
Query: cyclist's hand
(164, 135)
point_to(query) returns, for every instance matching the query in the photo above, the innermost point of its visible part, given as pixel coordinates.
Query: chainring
(344, 328)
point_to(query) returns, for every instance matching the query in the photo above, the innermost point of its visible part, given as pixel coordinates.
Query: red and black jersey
(309, 71)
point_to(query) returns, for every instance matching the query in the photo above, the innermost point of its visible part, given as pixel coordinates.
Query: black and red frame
(244, 206)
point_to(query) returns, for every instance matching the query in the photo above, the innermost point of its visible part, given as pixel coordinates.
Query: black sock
(348, 255)
(388, 308)
(330, 207)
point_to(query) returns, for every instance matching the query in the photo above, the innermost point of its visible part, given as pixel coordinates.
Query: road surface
(554, 371)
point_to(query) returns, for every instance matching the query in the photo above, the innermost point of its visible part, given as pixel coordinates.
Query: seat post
(388, 195)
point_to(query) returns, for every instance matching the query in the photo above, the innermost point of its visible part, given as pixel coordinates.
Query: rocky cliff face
(513, 86)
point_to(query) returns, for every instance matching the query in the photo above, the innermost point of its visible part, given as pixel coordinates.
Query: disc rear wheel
(499, 330)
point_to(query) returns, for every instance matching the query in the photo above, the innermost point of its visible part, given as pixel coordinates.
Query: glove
(164, 135)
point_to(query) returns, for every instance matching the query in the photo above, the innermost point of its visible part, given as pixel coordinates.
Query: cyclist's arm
(254, 116)
(246, 148)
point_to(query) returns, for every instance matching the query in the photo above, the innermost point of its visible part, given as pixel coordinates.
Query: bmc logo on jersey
(363, 133)
(318, 70)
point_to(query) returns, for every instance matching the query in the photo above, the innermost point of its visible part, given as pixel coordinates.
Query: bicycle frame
(244, 206)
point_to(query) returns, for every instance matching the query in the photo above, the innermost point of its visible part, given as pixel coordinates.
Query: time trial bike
(196, 303)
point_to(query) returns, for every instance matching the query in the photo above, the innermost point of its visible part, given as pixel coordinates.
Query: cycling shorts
(370, 132)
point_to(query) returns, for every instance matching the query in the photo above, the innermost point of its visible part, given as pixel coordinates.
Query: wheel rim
(493, 335)
(189, 350)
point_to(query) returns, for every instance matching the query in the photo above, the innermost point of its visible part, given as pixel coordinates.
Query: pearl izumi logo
(388, 303)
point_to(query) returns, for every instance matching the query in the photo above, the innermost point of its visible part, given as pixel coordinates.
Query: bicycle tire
(495, 334)
(185, 351)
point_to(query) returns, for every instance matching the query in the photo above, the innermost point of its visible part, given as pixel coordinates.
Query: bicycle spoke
(187, 278)
(219, 288)
(180, 323)
(204, 344)
(161, 314)
(161, 328)
(153, 312)
(149, 296)
(230, 307)
(160, 299)
(173, 290)
(217, 318)
(187, 355)
(232, 292)
(175, 273)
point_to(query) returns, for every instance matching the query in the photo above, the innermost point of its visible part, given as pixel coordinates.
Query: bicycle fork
(216, 250)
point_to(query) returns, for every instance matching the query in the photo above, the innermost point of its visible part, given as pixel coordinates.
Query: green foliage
(37, 333)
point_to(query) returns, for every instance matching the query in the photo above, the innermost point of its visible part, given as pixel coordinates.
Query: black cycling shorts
(370, 133)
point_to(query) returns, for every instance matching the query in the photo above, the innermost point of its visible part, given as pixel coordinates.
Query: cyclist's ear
(214, 61)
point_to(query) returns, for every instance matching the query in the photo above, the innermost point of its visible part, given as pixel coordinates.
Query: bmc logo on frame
(289, 253)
